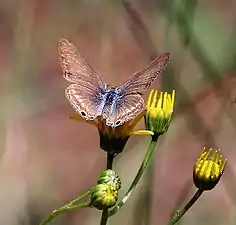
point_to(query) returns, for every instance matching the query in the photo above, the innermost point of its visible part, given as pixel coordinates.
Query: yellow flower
(159, 111)
(113, 140)
(208, 169)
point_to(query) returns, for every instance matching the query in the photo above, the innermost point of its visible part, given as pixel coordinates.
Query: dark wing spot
(118, 122)
(83, 113)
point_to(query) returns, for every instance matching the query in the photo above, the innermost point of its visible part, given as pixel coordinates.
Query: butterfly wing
(124, 109)
(142, 79)
(88, 105)
(76, 69)
(86, 95)
(130, 104)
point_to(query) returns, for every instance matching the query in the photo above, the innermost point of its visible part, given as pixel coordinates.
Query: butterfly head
(109, 86)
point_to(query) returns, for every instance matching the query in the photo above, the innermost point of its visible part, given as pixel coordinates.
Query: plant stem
(110, 158)
(147, 157)
(179, 214)
(77, 199)
(64, 209)
(104, 216)
(72, 205)
(148, 194)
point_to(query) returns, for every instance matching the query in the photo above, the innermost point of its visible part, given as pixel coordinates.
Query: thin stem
(179, 214)
(64, 209)
(104, 216)
(147, 157)
(148, 195)
(72, 205)
(110, 158)
(77, 199)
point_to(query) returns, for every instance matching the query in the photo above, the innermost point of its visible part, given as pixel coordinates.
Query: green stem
(64, 209)
(179, 214)
(72, 205)
(147, 157)
(104, 216)
(148, 194)
(77, 199)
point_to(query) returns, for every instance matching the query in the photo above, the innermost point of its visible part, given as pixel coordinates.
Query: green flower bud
(111, 178)
(104, 196)
(159, 111)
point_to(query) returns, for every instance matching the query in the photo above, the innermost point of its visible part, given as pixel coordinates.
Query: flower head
(159, 111)
(104, 196)
(111, 178)
(105, 193)
(208, 169)
(113, 140)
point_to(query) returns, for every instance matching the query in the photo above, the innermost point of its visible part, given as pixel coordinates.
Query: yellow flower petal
(149, 102)
(143, 132)
(172, 99)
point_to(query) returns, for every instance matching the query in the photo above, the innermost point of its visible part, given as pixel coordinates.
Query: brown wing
(76, 69)
(124, 109)
(142, 79)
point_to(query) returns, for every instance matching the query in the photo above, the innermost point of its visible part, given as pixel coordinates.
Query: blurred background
(47, 159)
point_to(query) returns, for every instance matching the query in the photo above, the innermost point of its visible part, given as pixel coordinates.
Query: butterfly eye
(83, 113)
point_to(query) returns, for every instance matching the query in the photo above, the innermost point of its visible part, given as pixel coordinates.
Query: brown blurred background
(47, 159)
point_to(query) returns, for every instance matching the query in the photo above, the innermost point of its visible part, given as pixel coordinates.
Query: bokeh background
(47, 159)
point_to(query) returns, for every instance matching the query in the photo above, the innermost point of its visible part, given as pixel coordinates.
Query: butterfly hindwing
(142, 79)
(87, 105)
(125, 109)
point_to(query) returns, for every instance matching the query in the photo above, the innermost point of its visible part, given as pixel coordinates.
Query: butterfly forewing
(142, 79)
(76, 69)
(84, 96)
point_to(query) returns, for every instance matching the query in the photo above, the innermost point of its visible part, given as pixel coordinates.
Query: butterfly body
(91, 97)
(114, 99)
(111, 95)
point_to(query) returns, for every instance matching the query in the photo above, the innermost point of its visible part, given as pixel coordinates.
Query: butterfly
(91, 97)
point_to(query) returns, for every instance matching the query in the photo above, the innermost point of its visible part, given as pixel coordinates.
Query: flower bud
(110, 177)
(208, 169)
(159, 111)
(104, 196)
